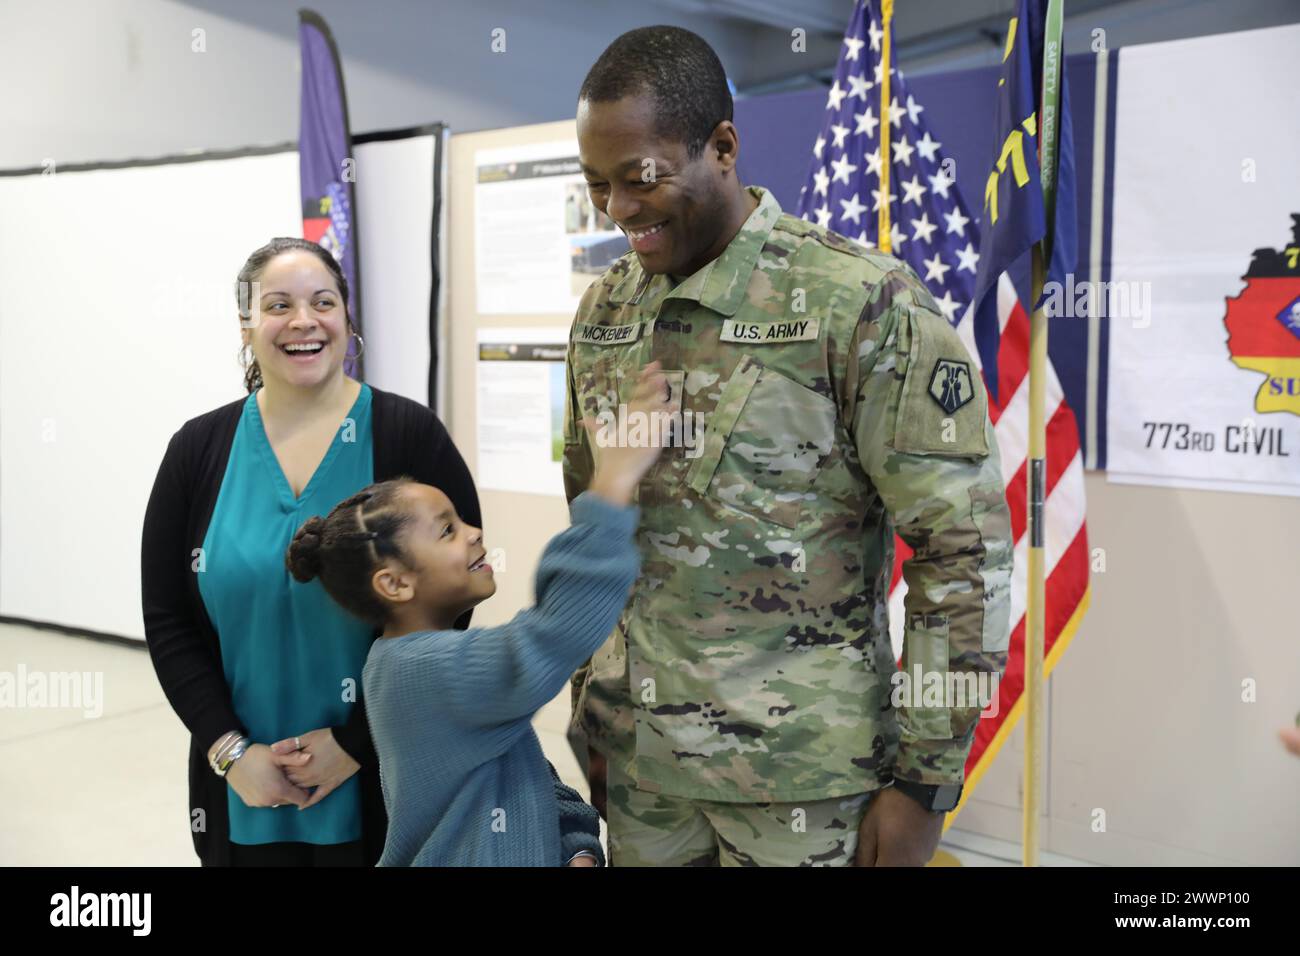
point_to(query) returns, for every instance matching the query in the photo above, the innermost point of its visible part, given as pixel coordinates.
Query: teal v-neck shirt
(292, 657)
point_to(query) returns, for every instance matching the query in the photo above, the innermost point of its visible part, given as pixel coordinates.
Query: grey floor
(110, 790)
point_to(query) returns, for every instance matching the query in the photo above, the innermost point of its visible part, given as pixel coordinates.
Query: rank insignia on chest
(769, 333)
(951, 384)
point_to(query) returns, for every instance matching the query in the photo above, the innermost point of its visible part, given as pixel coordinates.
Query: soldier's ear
(725, 142)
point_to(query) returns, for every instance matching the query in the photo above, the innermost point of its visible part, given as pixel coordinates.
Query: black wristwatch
(938, 798)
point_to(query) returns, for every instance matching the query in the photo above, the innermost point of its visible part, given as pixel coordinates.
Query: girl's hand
(259, 778)
(315, 759)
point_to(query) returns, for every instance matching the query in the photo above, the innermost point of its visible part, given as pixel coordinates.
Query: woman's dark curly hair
(252, 271)
(345, 548)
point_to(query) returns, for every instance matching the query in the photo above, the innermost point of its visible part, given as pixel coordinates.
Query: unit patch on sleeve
(951, 385)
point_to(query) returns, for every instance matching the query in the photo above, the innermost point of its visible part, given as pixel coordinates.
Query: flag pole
(1036, 598)
(1036, 583)
(884, 229)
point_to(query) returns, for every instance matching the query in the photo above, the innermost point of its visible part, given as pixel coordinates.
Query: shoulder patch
(942, 407)
(951, 384)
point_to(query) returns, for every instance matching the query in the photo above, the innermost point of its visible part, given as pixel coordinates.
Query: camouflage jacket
(753, 660)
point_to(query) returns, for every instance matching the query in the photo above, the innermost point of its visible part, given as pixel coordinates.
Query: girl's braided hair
(252, 271)
(344, 548)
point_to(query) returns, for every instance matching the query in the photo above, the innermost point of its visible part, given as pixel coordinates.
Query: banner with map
(1204, 290)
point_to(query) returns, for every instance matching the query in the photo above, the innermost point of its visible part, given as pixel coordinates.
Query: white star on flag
(934, 270)
(852, 208)
(956, 221)
(923, 225)
(947, 306)
(927, 146)
(842, 169)
(873, 163)
(835, 96)
(867, 123)
(913, 190)
(969, 259)
(820, 182)
(913, 109)
(903, 151)
(939, 184)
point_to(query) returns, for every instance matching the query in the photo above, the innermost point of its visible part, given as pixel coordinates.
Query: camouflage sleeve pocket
(992, 517)
(923, 714)
(943, 407)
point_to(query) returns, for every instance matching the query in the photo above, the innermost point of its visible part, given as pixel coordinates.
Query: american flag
(933, 231)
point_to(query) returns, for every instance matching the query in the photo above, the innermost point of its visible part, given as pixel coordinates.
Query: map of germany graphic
(1263, 324)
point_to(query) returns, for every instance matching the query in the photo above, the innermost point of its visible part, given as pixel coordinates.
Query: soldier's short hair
(678, 69)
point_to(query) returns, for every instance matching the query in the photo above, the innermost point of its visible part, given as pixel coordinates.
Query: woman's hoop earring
(361, 345)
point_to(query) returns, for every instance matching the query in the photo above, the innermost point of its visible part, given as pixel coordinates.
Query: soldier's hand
(596, 780)
(621, 464)
(897, 831)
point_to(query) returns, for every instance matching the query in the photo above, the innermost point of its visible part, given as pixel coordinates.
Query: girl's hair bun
(303, 558)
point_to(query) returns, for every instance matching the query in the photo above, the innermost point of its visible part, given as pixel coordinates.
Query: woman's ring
(298, 741)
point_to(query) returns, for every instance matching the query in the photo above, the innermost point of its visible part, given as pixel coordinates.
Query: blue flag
(1015, 216)
(325, 164)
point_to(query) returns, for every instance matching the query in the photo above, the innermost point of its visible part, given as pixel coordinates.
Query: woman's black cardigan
(408, 440)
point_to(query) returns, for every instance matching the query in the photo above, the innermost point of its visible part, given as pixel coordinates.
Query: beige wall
(1145, 720)
(520, 524)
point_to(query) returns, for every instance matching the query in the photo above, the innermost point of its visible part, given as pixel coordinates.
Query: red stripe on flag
(1013, 359)
(1062, 446)
(901, 553)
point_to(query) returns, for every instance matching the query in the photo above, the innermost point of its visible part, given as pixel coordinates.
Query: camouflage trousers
(655, 829)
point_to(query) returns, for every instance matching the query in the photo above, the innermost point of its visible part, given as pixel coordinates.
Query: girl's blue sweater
(464, 779)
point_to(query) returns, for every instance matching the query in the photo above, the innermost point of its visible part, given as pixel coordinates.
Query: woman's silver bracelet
(230, 750)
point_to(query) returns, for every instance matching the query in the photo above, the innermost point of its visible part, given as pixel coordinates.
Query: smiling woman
(263, 670)
(267, 319)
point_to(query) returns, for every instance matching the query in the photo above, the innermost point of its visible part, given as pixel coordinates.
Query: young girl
(464, 779)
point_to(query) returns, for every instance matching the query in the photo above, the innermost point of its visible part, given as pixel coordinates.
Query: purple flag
(325, 165)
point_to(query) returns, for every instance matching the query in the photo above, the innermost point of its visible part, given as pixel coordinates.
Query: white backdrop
(1207, 169)
(118, 322)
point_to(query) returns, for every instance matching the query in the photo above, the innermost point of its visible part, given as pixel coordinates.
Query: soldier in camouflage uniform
(743, 704)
